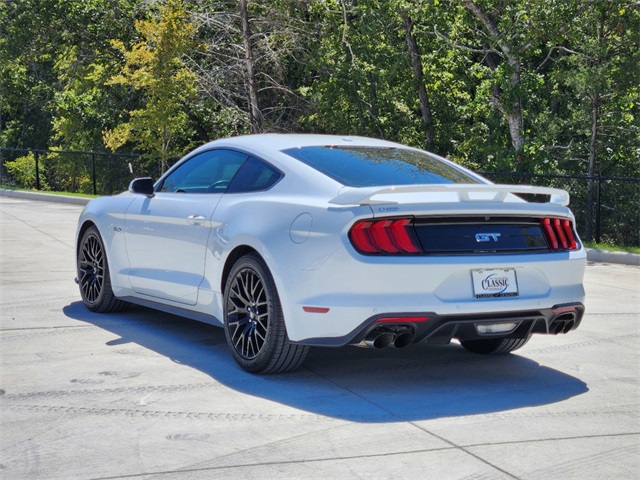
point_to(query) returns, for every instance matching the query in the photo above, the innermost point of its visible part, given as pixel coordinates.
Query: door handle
(196, 219)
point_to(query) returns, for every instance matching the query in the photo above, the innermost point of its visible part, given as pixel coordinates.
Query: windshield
(378, 166)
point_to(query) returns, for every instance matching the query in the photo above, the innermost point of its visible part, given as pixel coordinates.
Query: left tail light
(386, 236)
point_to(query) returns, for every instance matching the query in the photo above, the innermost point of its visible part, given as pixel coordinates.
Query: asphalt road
(148, 395)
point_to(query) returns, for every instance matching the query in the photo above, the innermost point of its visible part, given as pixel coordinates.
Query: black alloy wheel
(254, 324)
(93, 274)
(248, 313)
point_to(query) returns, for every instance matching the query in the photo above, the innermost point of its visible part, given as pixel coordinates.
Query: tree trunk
(513, 110)
(596, 99)
(164, 150)
(516, 126)
(255, 116)
(416, 67)
(355, 87)
(589, 211)
(373, 107)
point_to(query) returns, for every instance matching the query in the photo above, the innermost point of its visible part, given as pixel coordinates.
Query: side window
(254, 176)
(208, 172)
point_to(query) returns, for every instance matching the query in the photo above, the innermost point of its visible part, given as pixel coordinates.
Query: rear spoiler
(364, 196)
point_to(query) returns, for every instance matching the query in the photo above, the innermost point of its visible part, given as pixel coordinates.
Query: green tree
(27, 79)
(155, 66)
(250, 64)
(358, 73)
(85, 60)
(598, 75)
(23, 171)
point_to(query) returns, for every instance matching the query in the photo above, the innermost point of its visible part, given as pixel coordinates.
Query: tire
(93, 275)
(253, 321)
(494, 346)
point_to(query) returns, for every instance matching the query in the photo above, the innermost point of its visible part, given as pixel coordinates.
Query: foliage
(23, 171)
(67, 172)
(154, 66)
(612, 247)
(529, 87)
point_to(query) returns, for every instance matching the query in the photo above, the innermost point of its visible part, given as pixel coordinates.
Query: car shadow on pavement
(356, 384)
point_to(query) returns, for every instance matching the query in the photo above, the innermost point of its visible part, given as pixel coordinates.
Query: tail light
(400, 236)
(559, 234)
(386, 236)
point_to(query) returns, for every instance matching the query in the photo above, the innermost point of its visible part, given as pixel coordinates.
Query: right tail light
(559, 234)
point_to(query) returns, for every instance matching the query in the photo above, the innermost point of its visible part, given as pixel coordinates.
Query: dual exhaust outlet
(402, 336)
(562, 323)
(383, 337)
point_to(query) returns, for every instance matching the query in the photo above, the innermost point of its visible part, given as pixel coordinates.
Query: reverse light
(488, 328)
(386, 236)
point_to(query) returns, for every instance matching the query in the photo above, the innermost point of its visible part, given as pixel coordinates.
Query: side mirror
(143, 186)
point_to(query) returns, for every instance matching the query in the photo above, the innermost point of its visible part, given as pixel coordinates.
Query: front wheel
(494, 345)
(253, 320)
(93, 275)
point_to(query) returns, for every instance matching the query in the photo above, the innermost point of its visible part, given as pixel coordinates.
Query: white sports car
(290, 241)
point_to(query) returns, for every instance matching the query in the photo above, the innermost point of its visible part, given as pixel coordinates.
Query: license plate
(495, 282)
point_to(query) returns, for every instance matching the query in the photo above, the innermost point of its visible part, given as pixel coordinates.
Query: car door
(166, 235)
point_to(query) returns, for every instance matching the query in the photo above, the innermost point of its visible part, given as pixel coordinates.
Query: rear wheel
(93, 275)
(253, 320)
(494, 345)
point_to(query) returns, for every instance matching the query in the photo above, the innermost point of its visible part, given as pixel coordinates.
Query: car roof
(276, 142)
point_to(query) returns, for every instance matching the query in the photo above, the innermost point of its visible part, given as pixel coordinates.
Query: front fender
(108, 215)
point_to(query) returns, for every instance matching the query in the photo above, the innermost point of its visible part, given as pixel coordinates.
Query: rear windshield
(378, 166)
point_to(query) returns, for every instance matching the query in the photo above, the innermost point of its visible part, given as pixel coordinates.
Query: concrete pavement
(143, 394)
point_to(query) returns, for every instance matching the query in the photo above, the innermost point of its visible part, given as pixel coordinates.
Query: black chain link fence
(97, 173)
(615, 209)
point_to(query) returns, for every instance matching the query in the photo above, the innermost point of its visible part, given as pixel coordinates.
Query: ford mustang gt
(291, 241)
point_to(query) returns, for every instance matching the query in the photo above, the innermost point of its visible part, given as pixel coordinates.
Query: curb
(44, 197)
(593, 255)
(608, 256)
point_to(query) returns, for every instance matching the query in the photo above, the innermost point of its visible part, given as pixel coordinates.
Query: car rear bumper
(337, 303)
(433, 329)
